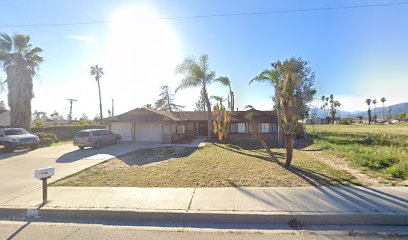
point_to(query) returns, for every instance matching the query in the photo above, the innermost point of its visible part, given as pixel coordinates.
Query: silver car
(95, 138)
(12, 138)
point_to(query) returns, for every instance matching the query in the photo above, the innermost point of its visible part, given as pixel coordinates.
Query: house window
(233, 127)
(181, 129)
(265, 128)
(241, 128)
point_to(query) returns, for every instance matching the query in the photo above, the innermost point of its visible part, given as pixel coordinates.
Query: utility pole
(113, 109)
(71, 100)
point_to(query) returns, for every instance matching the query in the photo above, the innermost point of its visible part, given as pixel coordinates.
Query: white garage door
(148, 132)
(124, 129)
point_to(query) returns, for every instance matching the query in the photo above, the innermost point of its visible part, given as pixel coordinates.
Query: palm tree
(226, 82)
(375, 105)
(98, 72)
(323, 107)
(383, 99)
(218, 99)
(368, 101)
(249, 107)
(197, 74)
(20, 62)
(270, 76)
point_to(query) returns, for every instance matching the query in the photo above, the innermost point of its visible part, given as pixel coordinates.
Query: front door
(202, 128)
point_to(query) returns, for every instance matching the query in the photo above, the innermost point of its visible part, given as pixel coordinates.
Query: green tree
(334, 104)
(56, 116)
(40, 116)
(270, 76)
(98, 72)
(200, 104)
(368, 101)
(166, 101)
(226, 82)
(148, 106)
(20, 62)
(249, 107)
(294, 74)
(375, 106)
(218, 99)
(383, 99)
(197, 74)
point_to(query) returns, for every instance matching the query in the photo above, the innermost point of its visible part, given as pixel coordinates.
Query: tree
(375, 105)
(218, 99)
(197, 74)
(40, 116)
(270, 76)
(368, 101)
(56, 116)
(226, 82)
(334, 104)
(20, 62)
(325, 103)
(98, 72)
(148, 106)
(200, 104)
(222, 118)
(2, 106)
(165, 102)
(84, 117)
(249, 107)
(383, 99)
(294, 74)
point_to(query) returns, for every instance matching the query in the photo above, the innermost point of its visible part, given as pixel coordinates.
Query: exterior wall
(250, 137)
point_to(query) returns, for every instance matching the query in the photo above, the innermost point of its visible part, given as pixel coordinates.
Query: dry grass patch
(215, 165)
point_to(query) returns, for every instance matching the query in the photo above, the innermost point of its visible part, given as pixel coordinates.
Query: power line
(217, 15)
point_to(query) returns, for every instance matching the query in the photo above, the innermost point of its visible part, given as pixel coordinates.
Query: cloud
(80, 38)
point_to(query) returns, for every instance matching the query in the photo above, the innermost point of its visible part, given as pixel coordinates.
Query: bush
(345, 121)
(399, 170)
(65, 132)
(42, 135)
(46, 141)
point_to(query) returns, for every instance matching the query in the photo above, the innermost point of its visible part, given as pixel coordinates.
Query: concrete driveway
(17, 169)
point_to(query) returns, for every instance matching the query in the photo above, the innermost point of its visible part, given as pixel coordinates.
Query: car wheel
(8, 148)
(97, 145)
(82, 148)
(33, 147)
(117, 140)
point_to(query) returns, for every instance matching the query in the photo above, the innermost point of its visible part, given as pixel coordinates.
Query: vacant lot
(215, 165)
(379, 150)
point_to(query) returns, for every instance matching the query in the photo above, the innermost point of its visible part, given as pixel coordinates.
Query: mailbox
(44, 173)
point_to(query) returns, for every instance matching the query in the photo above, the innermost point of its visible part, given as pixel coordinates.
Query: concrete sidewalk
(308, 205)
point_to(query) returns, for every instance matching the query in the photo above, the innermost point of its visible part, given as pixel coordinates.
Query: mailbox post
(43, 174)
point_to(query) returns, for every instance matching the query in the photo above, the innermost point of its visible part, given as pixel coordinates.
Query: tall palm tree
(197, 74)
(20, 62)
(226, 82)
(270, 76)
(375, 105)
(368, 101)
(383, 99)
(98, 72)
(323, 107)
(218, 99)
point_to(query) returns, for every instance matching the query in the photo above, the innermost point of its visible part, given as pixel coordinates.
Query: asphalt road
(68, 231)
(17, 169)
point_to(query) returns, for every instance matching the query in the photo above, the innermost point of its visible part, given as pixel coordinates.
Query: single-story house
(148, 125)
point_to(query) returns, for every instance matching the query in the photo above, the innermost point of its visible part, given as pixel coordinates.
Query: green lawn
(379, 150)
(215, 165)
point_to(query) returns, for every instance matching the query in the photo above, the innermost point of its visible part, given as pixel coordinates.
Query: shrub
(345, 121)
(399, 170)
(42, 135)
(65, 132)
(46, 141)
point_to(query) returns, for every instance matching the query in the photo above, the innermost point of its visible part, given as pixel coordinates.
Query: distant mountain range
(389, 110)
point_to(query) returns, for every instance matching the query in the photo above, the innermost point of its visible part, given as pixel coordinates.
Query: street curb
(181, 216)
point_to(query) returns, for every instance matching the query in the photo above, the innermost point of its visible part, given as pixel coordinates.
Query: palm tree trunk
(289, 149)
(100, 103)
(207, 102)
(278, 110)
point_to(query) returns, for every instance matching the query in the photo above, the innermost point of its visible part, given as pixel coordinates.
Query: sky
(355, 53)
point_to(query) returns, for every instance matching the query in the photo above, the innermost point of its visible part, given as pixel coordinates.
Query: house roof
(143, 115)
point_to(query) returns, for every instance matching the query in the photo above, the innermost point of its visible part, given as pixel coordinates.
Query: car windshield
(17, 131)
(82, 134)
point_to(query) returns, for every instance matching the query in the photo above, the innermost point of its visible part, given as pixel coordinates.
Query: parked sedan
(95, 138)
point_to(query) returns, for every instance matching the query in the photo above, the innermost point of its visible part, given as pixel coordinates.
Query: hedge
(65, 132)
